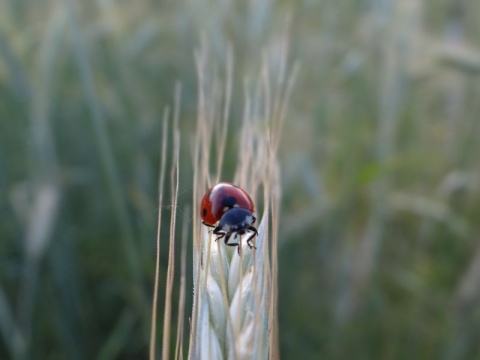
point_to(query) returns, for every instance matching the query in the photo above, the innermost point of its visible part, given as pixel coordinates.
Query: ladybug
(233, 209)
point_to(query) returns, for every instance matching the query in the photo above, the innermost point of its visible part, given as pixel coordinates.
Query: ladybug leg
(219, 232)
(232, 244)
(228, 238)
(249, 240)
(208, 225)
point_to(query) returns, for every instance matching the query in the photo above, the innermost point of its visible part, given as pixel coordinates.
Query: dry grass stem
(153, 330)
(174, 180)
(183, 274)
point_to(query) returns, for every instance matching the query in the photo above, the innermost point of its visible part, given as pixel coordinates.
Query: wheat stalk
(234, 309)
(174, 184)
(235, 292)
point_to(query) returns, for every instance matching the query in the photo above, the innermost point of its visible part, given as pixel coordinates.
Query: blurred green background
(379, 244)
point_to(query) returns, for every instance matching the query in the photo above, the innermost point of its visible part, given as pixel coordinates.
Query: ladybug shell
(222, 197)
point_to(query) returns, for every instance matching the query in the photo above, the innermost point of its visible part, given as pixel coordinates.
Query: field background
(379, 248)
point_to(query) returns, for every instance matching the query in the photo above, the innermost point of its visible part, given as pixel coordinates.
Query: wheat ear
(234, 307)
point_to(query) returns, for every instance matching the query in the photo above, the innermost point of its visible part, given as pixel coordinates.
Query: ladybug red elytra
(233, 209)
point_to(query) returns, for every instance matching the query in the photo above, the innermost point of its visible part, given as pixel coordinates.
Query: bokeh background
(379, 248)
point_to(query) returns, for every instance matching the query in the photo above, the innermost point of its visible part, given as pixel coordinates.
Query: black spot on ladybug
(229, 202)
(204, 211)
